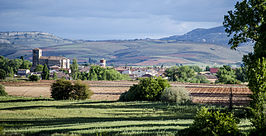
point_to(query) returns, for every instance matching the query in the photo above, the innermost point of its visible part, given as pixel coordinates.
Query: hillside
(214, 35)
(167, 51)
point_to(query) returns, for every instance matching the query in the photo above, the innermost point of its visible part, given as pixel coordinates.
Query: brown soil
(111, 90)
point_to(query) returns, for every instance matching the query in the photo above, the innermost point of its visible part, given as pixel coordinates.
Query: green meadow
(41, 116)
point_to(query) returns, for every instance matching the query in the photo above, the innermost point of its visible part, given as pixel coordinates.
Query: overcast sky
(112, 19)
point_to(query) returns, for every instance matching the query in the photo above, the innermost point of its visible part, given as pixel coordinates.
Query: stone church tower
(36, 55)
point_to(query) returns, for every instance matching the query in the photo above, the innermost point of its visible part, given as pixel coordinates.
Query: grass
(41, 116)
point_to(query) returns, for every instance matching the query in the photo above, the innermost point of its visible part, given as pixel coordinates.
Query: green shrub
(60, 90)
(34, 78)
(176, 94)
(80, 91)
(149, 89)
(2, 90)
(63, 89)
(212, 123)
(2, 74)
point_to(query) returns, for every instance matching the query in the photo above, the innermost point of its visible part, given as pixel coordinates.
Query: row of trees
(11, 66)
(185, 74)
(99, 73)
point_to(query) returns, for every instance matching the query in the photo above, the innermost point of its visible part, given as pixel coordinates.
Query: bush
(80, 91)
(212, 123)
(176, 94)
(2, 74)
(60, 90)
(34, 78)
(2, 90)
(149, 89)
(63, 90)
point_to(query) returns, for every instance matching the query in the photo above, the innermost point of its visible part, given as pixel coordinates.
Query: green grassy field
(38, 116)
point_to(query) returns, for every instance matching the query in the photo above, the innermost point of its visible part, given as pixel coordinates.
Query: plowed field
(111, 90)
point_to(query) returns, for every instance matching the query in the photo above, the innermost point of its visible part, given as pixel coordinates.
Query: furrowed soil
(111, 90)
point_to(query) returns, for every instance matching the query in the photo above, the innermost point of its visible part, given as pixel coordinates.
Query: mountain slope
(131, 52)
(214, 35)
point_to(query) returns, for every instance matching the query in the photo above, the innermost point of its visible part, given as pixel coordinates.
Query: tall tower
(103, 63)
(36, 54)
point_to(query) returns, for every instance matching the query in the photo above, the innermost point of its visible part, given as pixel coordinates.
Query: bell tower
(36, 54)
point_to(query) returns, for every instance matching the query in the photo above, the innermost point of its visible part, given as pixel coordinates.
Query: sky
(112, 19)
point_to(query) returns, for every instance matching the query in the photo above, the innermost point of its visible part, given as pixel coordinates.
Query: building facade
(37, 58)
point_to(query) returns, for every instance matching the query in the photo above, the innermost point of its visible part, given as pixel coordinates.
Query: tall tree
(45, 73)
(247, 23)
(74, 69)
(38, 68)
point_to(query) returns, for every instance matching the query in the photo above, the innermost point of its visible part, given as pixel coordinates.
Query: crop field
(44, 116)
(30, 110)
(111, 90)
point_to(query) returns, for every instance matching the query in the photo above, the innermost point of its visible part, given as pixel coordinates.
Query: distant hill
(200, 46)
(214, 35)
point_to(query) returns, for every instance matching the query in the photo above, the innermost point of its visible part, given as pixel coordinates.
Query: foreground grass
(37, 116)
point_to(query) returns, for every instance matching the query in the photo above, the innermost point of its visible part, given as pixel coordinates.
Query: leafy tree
(2, 74)
(247, 23)
(181, 74)
(196, 68)
(45, 73)
(212, 123)
(226, 75)
(148, 89)
(54, 76)
(74, 69)
(80, 91)
(241, 74)
(60, 89)
(2, 90)
(25, 64)
(207, 68)
(34, 78)
(38, 68)
(63, 89)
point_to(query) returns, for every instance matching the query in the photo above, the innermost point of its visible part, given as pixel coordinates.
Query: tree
(38, 68)
(2, 90)
(241, 74)
(74, 69)
(2, 74)
(226, 75)
(207, 68)
(34, 78)
(196, 68)
(247, 23)
(54, 76)
(148, 89)
(45, 73)
(181, 74)
(212, 123)
(63, 89)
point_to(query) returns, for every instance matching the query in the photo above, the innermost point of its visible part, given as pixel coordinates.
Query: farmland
(30, 111)
(111, 90)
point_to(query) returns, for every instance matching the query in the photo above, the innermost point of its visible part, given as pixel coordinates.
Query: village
(61, 67)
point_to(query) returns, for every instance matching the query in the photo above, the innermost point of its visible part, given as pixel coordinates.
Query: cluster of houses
(61, 66)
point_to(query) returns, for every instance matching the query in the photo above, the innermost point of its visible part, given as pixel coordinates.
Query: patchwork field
(42, 116)
(111, 90)
(30, 111)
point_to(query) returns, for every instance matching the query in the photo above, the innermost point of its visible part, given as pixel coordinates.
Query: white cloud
(112, 19)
